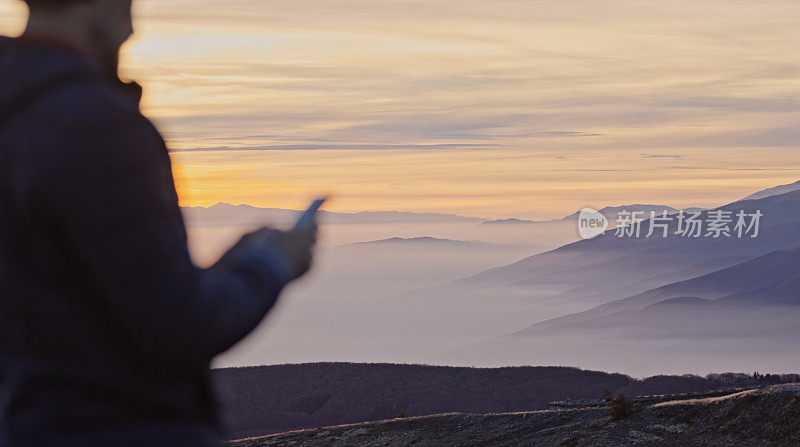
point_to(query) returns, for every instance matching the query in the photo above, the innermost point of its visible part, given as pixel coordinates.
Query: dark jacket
(106, 327)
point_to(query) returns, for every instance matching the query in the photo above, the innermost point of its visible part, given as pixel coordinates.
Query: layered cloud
(524, 108)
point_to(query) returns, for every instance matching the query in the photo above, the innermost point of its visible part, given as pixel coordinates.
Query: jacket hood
(27, 65)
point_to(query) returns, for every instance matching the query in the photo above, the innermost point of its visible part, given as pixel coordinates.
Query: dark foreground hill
(761, 417)
(272, 399)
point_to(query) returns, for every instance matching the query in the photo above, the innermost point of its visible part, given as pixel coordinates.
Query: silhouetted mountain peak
(511, 220)
(777, 190)
(438, 242)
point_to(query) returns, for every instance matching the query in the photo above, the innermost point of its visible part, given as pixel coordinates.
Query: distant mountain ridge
(223, 211)
(610, 212)
(644, 296)
(607, 263)
(753, 278)
(228, 213)
(433, 241)
(777, 190)
(769, 280)
(513, 221)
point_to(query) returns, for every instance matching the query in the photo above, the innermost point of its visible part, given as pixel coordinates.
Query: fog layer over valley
(741, 317)
(355, 305)
(446, 289)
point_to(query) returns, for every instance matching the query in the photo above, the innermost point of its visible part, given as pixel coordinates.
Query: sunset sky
(493, 108)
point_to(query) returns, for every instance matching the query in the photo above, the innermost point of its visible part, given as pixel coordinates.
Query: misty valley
(451, 290)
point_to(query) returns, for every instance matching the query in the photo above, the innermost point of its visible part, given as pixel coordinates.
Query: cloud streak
(478, 107)
(338, 147)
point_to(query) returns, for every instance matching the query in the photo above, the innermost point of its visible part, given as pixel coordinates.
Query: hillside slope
(782, 189)
(606, 268)
(762, 417)
(278, 398)
(770, 278)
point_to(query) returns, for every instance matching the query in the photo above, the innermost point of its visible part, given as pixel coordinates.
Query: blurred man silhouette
(106, 327)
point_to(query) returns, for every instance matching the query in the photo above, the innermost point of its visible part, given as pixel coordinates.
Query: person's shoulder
(90, 103)
(94, 119)
(88, 123)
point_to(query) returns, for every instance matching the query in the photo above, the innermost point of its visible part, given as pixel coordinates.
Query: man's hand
(297, 245)
(296, 248)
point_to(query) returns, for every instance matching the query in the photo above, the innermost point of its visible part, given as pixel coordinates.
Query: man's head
(99, 27)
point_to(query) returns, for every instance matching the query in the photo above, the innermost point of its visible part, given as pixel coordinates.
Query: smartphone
(309, 217)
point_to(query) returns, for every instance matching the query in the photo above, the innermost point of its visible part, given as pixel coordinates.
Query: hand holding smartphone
(309, 217)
